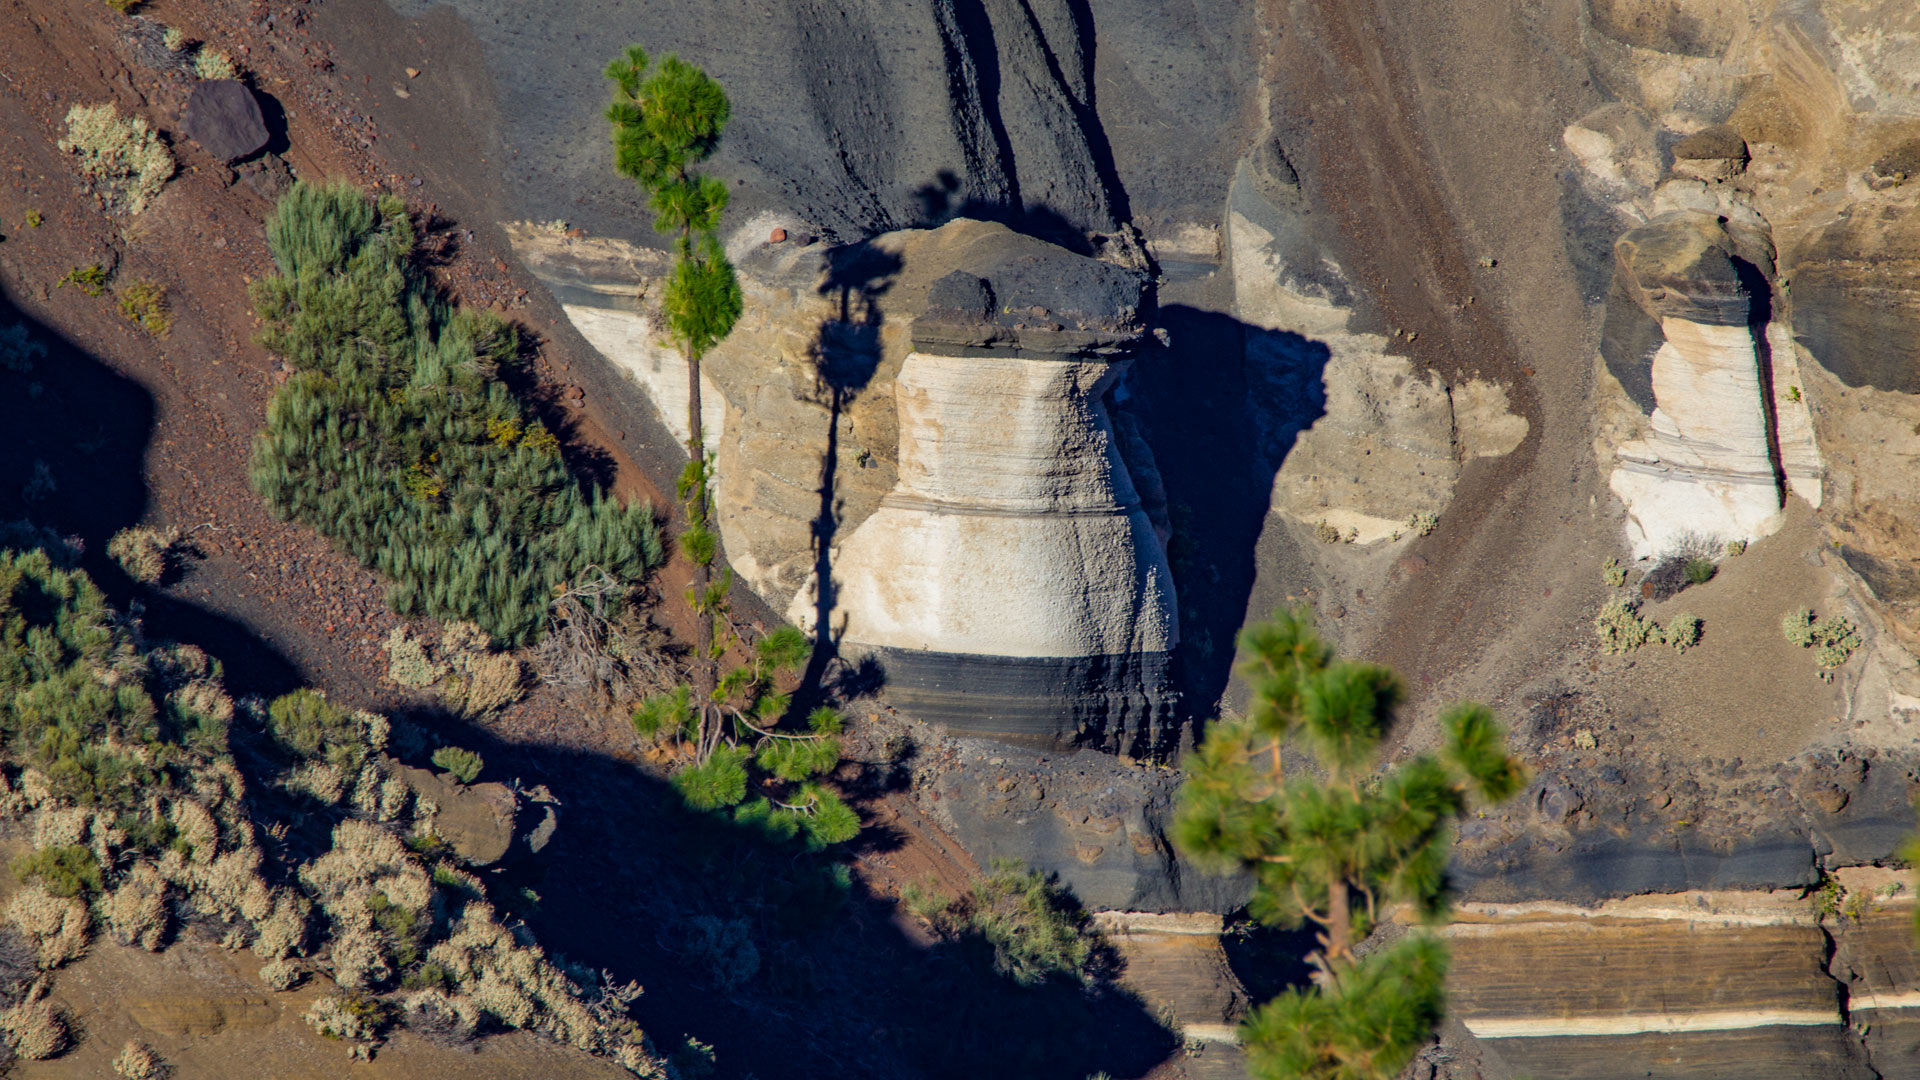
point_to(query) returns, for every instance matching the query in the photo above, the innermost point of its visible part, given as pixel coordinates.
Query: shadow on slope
(633, 883)
(73, 459)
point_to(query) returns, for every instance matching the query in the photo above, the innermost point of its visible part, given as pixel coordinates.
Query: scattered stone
(779, 236)
(224, 117)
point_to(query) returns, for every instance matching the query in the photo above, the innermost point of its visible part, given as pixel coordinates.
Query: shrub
(1736, 548)
(439, 1017)
(314, 728)
(67, 871)
(144, 553)
(1689, 560)
(1036, 928)
(211, 64)
(408, 663)
(35, 1029)
(18, 349)
(1423, 522)
(1835, 636)
(282, 975)
(174, 39)
(137, 909)
(76, 704)
(56, 927)
(125, 156)
(1621, 627)
(1682, 632)
(721, 950)
(144, 303)
(90, 279)
(358, 1019)
(1613, 571)
(462, 765)
(137, 1061)
(381, 441)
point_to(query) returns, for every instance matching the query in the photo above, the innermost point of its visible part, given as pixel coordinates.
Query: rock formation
(1729, 436)
(1011, 584)
(223, 116)
(1727, 979)
(937, 404)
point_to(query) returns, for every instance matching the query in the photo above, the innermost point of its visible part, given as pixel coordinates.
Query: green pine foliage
(397, 440)
(1337, 845)
(754, 754)
(1036, 928)
(71, 870)
(107, 724)
(312, 727)
(463, 765)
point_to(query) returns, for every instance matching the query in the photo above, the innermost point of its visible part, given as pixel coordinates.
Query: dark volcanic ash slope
(863, 116)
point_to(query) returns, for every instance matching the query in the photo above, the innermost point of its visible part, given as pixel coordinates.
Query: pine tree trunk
(706, 675)
(1339, 921)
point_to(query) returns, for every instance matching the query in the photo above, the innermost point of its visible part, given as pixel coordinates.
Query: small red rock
(779, 237)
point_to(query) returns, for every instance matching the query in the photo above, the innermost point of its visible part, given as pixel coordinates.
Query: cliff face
(1564, 280)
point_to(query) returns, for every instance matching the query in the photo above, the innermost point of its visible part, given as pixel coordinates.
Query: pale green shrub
(57, 927)
(1682, 632)
(137, 1061)
(137, 909)
(126, 155)
(144, 553)
(212, 64)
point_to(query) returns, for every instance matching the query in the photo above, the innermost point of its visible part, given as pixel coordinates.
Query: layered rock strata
(1728, 436)
(1706, 984)
(1012, 584)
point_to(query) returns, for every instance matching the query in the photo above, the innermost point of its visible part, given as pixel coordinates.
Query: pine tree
(1337, 842)
(665, 122)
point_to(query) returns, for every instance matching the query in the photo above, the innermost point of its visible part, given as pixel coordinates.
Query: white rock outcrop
(1729, 436)
(1014, 529)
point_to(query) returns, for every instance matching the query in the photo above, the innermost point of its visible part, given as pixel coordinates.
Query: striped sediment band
(1736, 984)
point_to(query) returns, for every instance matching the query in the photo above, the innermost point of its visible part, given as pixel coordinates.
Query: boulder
(223, 116)
(478, 819)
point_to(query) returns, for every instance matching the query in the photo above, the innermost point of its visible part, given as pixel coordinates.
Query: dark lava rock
(1098, 823)
(1717, 143)
(224, 118)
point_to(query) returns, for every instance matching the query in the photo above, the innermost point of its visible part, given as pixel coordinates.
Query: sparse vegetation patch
(1034, 928)
(1833, 638)
(146, 554)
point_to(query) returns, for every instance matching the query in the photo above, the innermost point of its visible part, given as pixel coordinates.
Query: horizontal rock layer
(1699, 984)
(1113, 699)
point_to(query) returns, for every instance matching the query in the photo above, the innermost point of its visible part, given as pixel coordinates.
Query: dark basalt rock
(1856, 299)
(1099, 823)
(225, 119)
(1022, 295)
